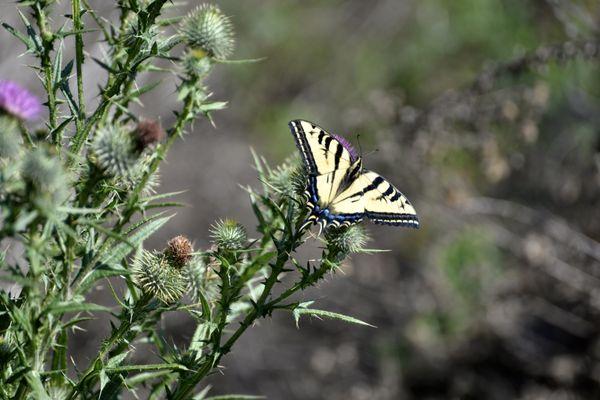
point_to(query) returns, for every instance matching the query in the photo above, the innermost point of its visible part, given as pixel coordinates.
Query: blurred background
(486, 114)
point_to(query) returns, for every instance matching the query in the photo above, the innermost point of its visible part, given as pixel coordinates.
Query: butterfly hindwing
(377, 199)
(384, 204)
(321, 152)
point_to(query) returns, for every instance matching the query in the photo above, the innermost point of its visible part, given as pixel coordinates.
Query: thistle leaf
(74, 306)
(302, 310)
(116, 254)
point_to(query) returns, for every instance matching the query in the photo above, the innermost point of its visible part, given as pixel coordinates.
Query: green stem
(79, 59)
(113, 86)
(46, 64)
(260, 310)
(26, 136)
(90, 376)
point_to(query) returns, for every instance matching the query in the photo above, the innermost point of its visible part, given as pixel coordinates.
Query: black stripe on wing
(407, 220)
(303, 146)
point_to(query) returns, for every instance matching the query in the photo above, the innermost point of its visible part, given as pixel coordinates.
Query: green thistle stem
(46, 64)
(114, 84)
(25, 135)
(79, 58)
(119, 337)
(260, 310)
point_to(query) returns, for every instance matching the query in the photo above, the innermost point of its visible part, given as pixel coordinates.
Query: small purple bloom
(18, 101)
(347, 146)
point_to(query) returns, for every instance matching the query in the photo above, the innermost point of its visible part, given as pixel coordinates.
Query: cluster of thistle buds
(169, 274)
(163, 274)
(120, 151)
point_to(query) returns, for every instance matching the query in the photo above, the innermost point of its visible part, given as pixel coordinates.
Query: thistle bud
(208, 29)
(155, 275)
(346, 240)
(147, 133)
(289, 179)
(45, 174)
(179, 251)
(195, 64)
(228, 235)
(9, 137)
(202, 280)
(115, 152)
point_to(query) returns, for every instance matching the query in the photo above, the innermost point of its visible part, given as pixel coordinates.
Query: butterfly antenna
(371, 152)
(320, 228)
(359, 146)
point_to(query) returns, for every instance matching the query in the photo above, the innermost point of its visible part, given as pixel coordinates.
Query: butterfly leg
(321, 227)
(309, 221)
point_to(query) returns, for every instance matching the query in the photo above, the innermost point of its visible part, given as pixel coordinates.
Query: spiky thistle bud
(202, 280)
(148, 132)
(45, 174)
(155, 275)
(207, 28)
(9, 137)
(115, 151)
(288, 179)
(179, 251)
(346, 240)
(228, 235)
(195, 64)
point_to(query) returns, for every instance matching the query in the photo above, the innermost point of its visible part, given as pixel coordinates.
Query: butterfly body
(340, 191)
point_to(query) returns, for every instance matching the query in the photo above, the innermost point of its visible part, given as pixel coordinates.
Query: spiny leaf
(161, 196)
(145, 376)
(302, 310)
(23, 38)
(115, 361)
(148, 367)
(217, 105)
(120, 251)
(102, 271)
(74, 306)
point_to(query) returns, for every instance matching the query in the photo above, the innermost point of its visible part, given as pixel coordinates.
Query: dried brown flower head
(148, 132)
(179, 251)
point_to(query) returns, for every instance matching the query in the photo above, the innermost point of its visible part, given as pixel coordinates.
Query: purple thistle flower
(18, 101)
(346, 144)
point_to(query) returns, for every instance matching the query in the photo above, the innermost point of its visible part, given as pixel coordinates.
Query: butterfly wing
(377, 199)
(384, 204)
(321, 152)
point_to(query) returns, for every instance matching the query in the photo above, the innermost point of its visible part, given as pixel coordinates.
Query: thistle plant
(76, 194)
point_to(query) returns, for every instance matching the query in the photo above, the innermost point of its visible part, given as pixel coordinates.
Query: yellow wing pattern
(340, 192)
(321, 152)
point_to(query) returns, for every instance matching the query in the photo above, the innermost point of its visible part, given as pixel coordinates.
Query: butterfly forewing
(321, 152)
